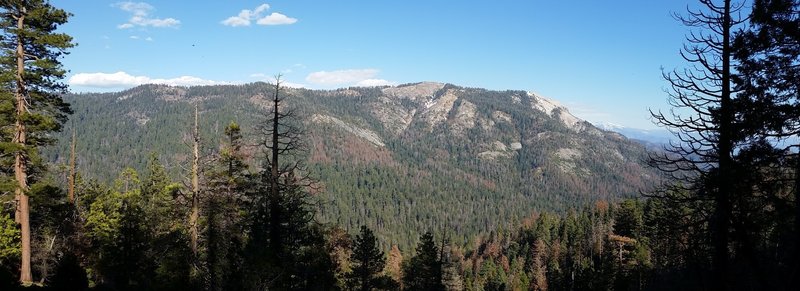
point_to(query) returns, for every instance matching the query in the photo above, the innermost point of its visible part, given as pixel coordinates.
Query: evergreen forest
(419, 186)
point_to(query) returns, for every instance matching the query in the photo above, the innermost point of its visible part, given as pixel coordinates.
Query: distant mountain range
(401, 159)
(657, 136)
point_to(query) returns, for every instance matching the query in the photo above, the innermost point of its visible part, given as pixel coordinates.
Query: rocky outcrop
(366, 134)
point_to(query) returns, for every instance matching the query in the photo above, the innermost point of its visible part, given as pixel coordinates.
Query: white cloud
(136, 37)
(186, 81)
(140, 16)
(341, 77)
(374, 83)
(276, 19)
(246, 16)
(124, 80)
(137, 8)
(271, 79)
(292, 85)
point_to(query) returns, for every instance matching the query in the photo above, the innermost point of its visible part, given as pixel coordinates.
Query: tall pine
(768, 55)
(701, 162)
(30, 98)
(226, 184)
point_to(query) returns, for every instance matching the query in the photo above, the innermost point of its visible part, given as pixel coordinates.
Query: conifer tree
(704, 121)
(768, 55)
(281, 217)
(424, 270)
(227, 182)
(31, 105)
(367, 263)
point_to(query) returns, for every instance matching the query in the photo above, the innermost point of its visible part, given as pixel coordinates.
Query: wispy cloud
(354, 77)
(276, 19)
(285, 83)
(247, 16)
(136, 37)
(140, 16)
(125, 80)
(271, 79)
(374, 83)
(341, 76)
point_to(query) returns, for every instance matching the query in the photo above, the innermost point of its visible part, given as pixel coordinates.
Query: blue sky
(601, 59)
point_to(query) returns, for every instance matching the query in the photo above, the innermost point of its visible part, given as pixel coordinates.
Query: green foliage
(42, 89)
(286, 247)
(224, 228)
(103, 219)
(9, 239)
(424, 270)
(422, 178)
(561, 252)
(367, 263)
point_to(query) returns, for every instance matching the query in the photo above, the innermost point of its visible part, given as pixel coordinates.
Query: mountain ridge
(401, 159)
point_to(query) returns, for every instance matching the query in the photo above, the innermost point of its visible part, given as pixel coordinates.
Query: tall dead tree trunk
(274, 199)
(700, 165)
(195, 203)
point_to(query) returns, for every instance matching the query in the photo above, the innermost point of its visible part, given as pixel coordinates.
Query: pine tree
(226, 182)
(367, 263)
(451, 269)
(281, 217)
(424, 270)
(769, 70)
(32, 107)
(704, 121)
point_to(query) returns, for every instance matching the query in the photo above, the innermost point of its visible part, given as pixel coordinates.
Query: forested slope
(405, 159)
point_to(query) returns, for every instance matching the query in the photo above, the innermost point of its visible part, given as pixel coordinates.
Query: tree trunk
(722, 212)
(195, 212)
(275, 215)
(71, 178)
(796, 261)
(20, 160)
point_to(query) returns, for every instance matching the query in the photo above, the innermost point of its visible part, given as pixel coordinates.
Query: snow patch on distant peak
(608, 126)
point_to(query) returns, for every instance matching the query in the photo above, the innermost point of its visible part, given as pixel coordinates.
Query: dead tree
(701, 161)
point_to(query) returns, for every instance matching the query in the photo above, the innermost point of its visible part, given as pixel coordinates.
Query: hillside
(404, 159)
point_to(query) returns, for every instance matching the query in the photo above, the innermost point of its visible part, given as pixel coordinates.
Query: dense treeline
(246, 215)
(421, 178)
